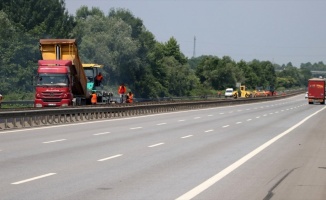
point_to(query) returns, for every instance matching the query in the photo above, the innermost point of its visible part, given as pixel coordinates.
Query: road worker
(121, 91)
(94, 98)
(98, 79)
(130, 97)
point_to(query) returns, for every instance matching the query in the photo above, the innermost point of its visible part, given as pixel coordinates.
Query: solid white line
(135, 128)
(209, 130)
(101, 133)
(32, 179)
(54, 141)
(187, 136)
(108, 158)
(160, 124)
(225, 126)
(209, 182)
(154, 145)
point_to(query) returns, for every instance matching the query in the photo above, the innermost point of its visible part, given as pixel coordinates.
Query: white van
(228, 92)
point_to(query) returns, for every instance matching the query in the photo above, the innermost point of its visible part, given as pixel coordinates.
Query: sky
(280, 31)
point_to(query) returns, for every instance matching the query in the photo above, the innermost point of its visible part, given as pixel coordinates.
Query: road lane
(164, 172)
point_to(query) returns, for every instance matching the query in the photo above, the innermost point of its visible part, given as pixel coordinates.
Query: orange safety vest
(122, 89)
(94, 98)
(99, 77)
(130, 98)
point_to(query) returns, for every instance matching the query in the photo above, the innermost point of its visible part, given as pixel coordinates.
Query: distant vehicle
(228, 92)
(306, 95)
(316, 90)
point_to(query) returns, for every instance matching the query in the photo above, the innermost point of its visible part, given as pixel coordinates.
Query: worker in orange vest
(98, 79)
(130, 97)
(121, 91)
(94, 98)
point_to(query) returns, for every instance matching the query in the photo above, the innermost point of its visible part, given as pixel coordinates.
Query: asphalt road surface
(270, 150)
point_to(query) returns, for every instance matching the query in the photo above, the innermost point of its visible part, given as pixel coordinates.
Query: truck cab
(53, 84)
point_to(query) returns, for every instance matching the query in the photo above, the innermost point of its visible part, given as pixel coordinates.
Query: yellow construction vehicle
(244, 93)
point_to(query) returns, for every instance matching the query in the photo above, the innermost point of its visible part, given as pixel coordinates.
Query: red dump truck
(60, 79)
(316, 90)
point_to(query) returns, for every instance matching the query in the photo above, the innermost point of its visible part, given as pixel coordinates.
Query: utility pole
(194, 53)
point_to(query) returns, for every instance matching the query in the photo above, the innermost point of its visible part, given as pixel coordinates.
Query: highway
(268, 150)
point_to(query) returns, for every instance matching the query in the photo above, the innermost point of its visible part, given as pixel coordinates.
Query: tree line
(129, 52)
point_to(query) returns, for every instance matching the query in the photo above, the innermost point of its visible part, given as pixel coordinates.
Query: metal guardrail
(45, 117)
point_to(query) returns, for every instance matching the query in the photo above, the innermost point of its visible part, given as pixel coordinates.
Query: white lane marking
(264, 115)
(271, 113)
(239, 110)
(258, 117)
(225, 126)
(53, 141)
(32, 179)
(155, 145)
(136, 128)
(209, 131)
(181, 120)
(221, 113)
(210, 115)
(238, 122)
(187, 136)
(214, 179)
(108, 158)
(197, 118)
(160, 124)
(249, 120)
(248, 109)
(101, 133)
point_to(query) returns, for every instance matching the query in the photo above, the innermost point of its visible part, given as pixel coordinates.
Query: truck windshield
(52, 79)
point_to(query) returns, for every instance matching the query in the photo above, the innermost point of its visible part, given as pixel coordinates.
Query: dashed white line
(160, 124)
(135, 128)
(32, 179)
(217, 177)
(225, 126)
(108, 158)
(53, 141)
(101, 133)
(249, 120)
(197, 118)
(221, 113)
(210, 115)
(258, 117)
(209, 131)
(264, 115)
(155, 145)
(238, 122)
(187, 136)
(181, 120)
